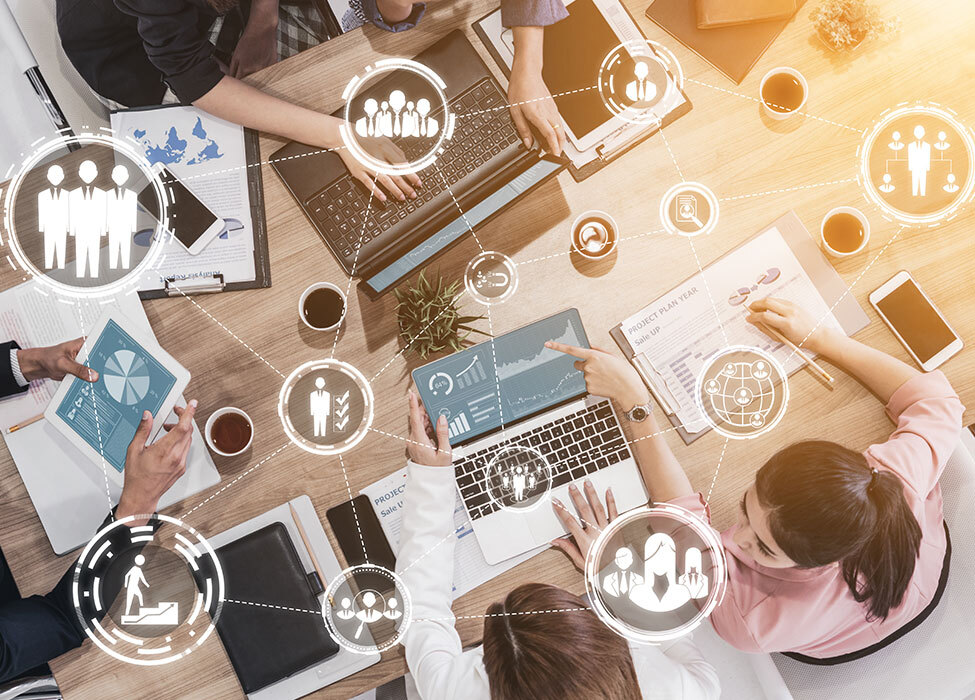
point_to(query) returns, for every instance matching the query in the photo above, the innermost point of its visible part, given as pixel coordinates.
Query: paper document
(207, 154)
(674, 336)
(470, 569)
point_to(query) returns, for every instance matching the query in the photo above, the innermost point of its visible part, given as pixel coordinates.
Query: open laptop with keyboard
(508, 402)
(482, 168)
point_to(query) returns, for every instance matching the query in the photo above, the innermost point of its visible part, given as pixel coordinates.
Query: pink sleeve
(928, 415)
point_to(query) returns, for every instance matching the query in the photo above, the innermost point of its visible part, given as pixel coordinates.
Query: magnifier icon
(687, 210)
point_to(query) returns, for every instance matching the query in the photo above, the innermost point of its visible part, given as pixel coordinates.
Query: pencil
(311, 552)
(810, 363)
(23, 424)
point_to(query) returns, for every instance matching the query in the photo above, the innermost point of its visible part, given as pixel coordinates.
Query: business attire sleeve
(9, 383)
(372, 13)
(175, 44)
(928, 414)
(439, 666)
(532, 13)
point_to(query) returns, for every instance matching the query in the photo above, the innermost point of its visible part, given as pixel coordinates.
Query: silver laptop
(519, 416)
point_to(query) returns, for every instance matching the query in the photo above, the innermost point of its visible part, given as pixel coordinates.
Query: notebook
(725, 13)
(266, 645)
(732, 50)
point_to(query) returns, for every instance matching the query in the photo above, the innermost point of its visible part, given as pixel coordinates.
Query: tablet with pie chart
(135, 375)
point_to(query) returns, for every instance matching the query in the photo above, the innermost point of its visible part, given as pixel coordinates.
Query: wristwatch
(639, 413)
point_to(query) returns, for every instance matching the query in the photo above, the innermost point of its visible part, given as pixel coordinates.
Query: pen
(311, 552)
(810, 363)
(23, 424)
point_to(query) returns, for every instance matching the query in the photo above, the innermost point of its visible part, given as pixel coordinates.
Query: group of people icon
(658, 588)
(519, 482)
(919, 162)
(397, 117)
(368, 607)
(87, 214)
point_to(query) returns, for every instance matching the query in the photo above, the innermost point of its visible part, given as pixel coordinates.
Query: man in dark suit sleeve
(36, 629)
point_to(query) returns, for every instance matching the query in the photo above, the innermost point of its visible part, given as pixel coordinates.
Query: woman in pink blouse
(836, 553)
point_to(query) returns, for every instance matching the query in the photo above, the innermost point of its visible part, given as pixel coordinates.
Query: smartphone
(191, 221)
(353, 518)
(916, 321)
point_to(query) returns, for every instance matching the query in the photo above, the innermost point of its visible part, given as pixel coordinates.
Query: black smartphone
(352, 518)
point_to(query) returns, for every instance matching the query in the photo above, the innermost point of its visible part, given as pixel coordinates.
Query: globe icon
(742, 392)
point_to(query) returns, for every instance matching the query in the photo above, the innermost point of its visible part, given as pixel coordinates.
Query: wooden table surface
(759, 169)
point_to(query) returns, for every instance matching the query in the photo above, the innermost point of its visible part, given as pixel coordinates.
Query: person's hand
(399, 187)
(150, 470)
(788, 318)
(427, 446)
(257, 48)
(532, 107)
(594, 519)
(55, 362)
(607, 375)
(394, 11)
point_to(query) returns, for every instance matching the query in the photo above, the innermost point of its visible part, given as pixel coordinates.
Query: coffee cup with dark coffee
(322, 306)
(784, 92)
(844, 231)
(229, 431)
(594, 234)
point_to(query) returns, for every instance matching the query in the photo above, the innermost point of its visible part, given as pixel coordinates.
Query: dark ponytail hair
(825, 504)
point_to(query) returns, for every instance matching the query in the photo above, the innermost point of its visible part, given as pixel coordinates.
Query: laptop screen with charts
(531, 378)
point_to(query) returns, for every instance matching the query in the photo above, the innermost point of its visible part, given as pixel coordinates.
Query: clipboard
(262, 258)
(830, 285)
(620, 141)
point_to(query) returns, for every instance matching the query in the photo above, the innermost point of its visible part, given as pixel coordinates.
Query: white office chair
(936, 659)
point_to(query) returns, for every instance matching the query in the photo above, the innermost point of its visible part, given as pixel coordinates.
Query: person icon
(942, 143)
(760, 370)
(392, 611)
(951, 187)
(410, 126)
(367, 609)
(397, 101)
(694, 578)
(122, 209)
(366, 126)
(660, 590)
(919, 162)
(429, 127)
(53, 210)
(345, 612)
(384, 121)
(712, 386)
(887, 187)
(87, 216)
(621, 582)
(320, 407)
(641, 89)
(742, 396)
(896, 144)
(133, 581)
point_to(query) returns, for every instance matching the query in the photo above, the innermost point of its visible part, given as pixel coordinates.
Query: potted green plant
(845, 24)
(428, 317)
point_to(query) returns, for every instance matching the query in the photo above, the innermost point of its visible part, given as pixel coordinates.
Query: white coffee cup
(775, 114)
(304, 297)
(208, 430)
(598, 237)
(854, 212)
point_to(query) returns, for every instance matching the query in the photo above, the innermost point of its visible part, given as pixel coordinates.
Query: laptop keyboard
(483, 129)
(575, 445)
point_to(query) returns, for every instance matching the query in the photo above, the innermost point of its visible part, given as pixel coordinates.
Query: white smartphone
(191, 221)
(916, 321)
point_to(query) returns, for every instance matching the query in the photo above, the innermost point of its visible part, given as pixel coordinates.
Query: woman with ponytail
(837, 553)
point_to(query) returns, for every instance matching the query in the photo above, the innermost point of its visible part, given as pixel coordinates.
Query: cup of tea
(594, 234)
(322, 306)
(784, 91)
(229, 431)
(844, 231)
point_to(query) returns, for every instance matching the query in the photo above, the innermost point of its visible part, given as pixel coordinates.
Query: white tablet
(135, 375)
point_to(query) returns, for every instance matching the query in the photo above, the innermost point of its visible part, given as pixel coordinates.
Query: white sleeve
(15, 370)
(425, 563)
(677, 670)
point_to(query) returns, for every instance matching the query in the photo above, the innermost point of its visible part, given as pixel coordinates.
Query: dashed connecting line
(241, 476)
(98, 426)
(504, 614)
(457, 204)
(264, 162)
(525, 102)
(717, 469)
(355, 260)
(788, 189)
(707, 288)
(497, 377)
(355, 515)
(672, 157)
(446, 537)
(274, 607)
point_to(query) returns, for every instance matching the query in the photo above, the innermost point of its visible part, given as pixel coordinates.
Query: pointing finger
(581, 353)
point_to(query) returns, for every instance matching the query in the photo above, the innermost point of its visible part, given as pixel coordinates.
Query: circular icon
(148, 594)
(689, 209)
(402, 101)
(635, 77)
(655, 573)
(916, 164)
(326, 407)
(742, 392)
(518, 478)
(126, 377)
(367, 609)
(89, 223)
(491, 277)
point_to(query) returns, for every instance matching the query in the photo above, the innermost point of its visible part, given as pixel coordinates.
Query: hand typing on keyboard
(427, 446)
(607, 375)
(398, 187)
(582, 533)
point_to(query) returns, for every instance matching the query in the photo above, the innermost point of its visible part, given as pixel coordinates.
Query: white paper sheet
(207, 155)
(677, 333)
(470, 569)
